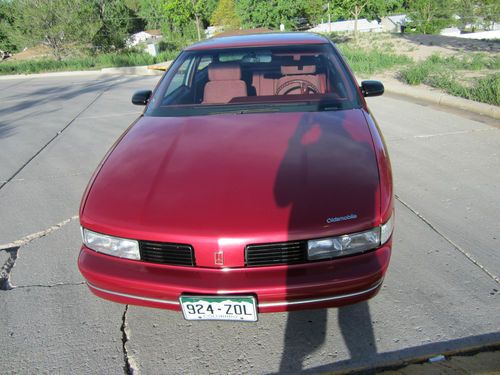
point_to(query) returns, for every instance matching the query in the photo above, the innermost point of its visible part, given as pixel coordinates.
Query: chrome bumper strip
(266, 304)
(323, 299)
(157, 300)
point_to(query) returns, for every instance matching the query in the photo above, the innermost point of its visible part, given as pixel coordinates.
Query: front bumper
(276, 288)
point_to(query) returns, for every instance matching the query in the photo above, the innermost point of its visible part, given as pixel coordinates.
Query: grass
(364, 61)
(485, 90)
(107, 60)
(445, 73)
(423, 71)
(474, 76)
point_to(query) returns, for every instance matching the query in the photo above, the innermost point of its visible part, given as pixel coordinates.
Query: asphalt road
(440, 294)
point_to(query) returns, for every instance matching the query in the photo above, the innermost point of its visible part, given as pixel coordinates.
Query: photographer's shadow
(306, 333)
(319, 142)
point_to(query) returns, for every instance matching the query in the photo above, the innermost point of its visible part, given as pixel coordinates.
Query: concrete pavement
(440, 294)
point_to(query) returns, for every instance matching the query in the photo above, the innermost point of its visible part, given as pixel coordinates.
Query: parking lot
(441, 293)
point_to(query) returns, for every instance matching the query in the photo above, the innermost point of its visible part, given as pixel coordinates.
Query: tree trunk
(198, 29)
(54, 45)
(356, 15)
(196, 19)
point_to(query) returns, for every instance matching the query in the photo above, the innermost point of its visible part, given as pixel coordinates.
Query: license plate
(219, 308)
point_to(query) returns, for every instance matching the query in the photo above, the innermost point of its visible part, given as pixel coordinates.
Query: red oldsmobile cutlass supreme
(255, 181)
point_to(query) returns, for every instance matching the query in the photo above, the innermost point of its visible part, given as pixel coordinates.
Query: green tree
(371, 9)
(272, 13)
(475, 13)
(225, 15)
(186, 18)
(430, 16)
(115, 22)
(152, 12)
(379, 8)
(489, 10)
(60, 24)
(467, 10)
(256, 13)
(354, 8)
(6, 21)
(314, 10)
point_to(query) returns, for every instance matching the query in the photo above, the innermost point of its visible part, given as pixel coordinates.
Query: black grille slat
(276, 253)
(272, 251)
(275, 260)
(167, 253)
(167, 259)
(275, 256)
(278, 245)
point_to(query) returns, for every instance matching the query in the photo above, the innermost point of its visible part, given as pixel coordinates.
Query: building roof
(258, 40)
(348, 25)
(154, 32)
(397, 19)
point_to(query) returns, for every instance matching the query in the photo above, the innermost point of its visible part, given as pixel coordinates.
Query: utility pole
(329, 20)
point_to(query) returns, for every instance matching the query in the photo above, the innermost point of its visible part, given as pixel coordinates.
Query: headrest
(228, 71)
(298, 69)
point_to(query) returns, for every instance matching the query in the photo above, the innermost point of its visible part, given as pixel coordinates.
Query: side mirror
(372, 88)
(141, 97)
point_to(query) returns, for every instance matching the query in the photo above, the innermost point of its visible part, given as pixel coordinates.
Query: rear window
(264, 79)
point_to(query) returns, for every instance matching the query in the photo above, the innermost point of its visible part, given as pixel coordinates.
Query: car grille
(167, 253)
(276, 253)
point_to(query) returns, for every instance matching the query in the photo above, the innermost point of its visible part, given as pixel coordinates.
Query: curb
(131, 70)
(437, 97)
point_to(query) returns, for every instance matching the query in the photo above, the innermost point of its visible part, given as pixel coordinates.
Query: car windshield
(253, 80)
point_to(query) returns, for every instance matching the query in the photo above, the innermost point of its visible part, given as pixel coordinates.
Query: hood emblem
(219, 258)
(336, 219)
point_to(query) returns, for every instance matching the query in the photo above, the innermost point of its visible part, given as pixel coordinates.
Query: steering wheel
(304, 86)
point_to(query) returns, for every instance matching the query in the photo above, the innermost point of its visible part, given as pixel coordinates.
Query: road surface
(440, 294)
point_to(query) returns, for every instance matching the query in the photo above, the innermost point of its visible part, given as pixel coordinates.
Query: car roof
(259, 40)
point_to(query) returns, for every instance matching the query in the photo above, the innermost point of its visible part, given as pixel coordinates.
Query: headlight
(343, 245)
(348, 244)
(386, 230)
(118, 247)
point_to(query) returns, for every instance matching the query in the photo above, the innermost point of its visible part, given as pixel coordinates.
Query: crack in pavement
(7, 268)
(4, 183)
(111, 115)
(17, 83)
(46, 178)
(13, 249)
(425, 136)
(130, 366)
(453, 133)
(47, 285)
(34, 236)
(469, 256)
(429, 359)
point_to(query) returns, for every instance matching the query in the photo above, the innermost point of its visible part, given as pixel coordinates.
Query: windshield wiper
(330, 107)
(242, 111)
(258, 110)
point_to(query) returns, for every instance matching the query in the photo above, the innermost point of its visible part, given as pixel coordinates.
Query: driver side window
(181, 77)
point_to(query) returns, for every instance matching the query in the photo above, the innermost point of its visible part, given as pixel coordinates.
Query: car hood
(220, 182)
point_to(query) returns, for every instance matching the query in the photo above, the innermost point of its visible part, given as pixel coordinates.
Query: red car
(255, 181)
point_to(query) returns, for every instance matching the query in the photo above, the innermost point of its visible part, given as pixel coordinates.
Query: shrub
(372, 61)
(118, 59)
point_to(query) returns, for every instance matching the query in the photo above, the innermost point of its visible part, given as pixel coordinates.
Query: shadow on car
(306, 331)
